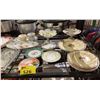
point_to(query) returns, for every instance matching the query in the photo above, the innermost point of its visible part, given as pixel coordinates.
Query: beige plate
(80, 45)
(79, 64)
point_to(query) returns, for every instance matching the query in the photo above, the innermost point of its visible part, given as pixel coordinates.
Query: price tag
(28, 70)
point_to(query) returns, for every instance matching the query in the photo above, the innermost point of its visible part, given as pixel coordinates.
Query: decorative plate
(28, 62)
(49, 46)
(33, 52)
(71, 45)
(51, 56)
(48, 33)
(72, 31)
(18, 44)
(83, 61)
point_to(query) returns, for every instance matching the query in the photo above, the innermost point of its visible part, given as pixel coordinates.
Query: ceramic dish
(33, 52)
(51, 56)
(28, 62)
(47, 33)
(72, 31)
(71, 45)
(83, 61)
(20, 44)
(49, 46)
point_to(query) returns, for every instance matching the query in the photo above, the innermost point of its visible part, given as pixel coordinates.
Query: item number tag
(28, 70)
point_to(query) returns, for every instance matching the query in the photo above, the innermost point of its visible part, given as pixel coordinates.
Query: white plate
(51, 56)
(47, 33)
(49, 46)
(72, 32)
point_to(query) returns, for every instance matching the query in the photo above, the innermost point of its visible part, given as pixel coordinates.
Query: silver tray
(7, 57)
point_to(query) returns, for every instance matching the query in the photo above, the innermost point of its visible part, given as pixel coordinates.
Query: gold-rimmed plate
(83, 61)
(71, 45)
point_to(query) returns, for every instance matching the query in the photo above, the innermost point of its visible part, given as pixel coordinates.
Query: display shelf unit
(66, 71)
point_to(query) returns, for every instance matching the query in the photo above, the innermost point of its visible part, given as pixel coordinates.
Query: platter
(22, 42)
(7, 57)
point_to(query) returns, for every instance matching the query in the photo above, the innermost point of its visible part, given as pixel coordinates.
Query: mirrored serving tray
(7, 57)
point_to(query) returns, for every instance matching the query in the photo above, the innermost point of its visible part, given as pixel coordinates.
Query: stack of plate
(83, 61)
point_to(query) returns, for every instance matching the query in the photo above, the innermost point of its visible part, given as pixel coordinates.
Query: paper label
(28, 70)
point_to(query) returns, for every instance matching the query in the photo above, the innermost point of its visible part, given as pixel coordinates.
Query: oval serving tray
(7, 57)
